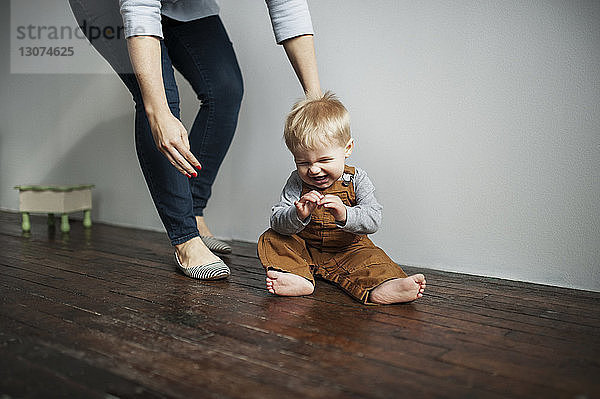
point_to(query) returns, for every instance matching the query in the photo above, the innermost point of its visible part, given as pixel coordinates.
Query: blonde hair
(316, 121)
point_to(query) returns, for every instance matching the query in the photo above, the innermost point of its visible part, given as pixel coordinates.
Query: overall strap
(348, 175)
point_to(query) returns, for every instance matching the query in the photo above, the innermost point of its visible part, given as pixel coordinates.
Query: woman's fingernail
(195, 174)
(198, 167)
(188, 175)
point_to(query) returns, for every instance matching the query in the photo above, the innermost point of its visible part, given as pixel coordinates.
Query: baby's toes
(272, 274)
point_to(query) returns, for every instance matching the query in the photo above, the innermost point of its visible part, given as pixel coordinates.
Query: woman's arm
(170, 136)
(301, 53)
(292, 26)
(143, 31)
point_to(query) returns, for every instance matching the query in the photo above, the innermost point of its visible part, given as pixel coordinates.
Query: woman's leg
(170, 190)
(202, 52)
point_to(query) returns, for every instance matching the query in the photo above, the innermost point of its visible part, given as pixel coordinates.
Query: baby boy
(326, 209)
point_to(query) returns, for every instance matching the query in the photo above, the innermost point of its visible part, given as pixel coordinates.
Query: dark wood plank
(24, 357)
(104, 312)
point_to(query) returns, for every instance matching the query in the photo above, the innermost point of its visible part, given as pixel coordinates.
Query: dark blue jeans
(202, 52)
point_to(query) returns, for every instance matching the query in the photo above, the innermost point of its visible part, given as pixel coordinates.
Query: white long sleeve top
(290, 18)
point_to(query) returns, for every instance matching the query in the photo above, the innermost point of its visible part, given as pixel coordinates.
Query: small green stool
(55, 199)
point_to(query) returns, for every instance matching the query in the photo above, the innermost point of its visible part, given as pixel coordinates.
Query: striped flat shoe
(211, 271)
(216, 245)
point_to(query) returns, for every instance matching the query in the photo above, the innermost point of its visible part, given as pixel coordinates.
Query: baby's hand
(335, 206)
(307, 204)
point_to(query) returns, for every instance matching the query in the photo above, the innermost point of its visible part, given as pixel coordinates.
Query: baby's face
(322, 167)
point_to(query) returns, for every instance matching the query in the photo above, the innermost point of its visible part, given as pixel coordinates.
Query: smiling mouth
(319, 179)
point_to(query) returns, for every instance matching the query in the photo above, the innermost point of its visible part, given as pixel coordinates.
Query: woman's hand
(171, 139)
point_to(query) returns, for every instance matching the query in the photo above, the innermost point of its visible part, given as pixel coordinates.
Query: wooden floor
(104, 314)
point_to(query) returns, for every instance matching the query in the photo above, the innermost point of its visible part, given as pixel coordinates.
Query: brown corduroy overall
(323, 249)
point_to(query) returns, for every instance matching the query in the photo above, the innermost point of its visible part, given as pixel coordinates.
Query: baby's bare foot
(288, 284)
(399, 290)
(194, 253)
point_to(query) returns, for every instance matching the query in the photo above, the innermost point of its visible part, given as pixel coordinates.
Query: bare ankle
(193, 252)
(202, 227)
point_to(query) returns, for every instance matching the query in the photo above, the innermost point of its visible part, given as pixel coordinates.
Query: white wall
(478, 122)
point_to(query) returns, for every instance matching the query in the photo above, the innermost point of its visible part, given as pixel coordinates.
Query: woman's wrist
(157, 112)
